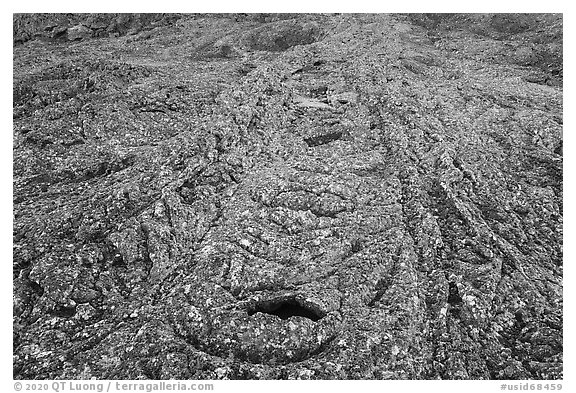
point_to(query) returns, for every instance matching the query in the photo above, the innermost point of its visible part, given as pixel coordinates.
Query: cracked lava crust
(262, 196)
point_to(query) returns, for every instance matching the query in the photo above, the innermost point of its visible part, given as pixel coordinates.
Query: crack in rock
(287, 196)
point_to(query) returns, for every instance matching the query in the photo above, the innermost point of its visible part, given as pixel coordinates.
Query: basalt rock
(78, 32)
(288, 196)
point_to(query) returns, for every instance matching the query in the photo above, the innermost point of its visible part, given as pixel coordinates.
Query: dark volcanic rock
(76, 26)
(78, 32)
(288, 196)
(281, 35)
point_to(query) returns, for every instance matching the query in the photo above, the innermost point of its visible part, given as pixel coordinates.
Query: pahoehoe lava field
(287, 196)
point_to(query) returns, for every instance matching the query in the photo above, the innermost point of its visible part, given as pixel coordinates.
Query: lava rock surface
(287, 196)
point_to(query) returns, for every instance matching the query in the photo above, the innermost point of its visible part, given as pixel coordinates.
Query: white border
(300, 6)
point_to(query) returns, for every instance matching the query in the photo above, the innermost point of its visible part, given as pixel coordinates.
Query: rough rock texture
(54, 27)
(288, 196)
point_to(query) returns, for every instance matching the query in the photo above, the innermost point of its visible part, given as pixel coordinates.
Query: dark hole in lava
(286, 308)
(453, 295)
(64, 311)
(323, 139)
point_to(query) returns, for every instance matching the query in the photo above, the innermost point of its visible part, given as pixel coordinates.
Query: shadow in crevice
(286, 308)
(323, 139)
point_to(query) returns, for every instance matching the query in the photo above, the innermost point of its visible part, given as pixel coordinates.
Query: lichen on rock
(287, 196)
